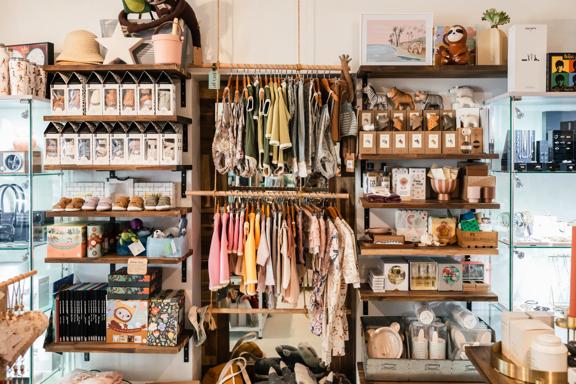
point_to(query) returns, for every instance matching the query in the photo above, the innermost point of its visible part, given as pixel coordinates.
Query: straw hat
(80, 47)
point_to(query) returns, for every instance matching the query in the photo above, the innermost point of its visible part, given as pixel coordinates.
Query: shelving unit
(370, 249)
(429, 204)
(366, 294)
(171, 69)
(113, 168)
(174, 212)
(118, 118)
(409, 157)
(432, 71)
(115, 259)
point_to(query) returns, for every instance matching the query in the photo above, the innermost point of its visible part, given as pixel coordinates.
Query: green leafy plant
(495, 18)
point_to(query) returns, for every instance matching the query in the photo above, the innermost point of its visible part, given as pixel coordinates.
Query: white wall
(264, 31)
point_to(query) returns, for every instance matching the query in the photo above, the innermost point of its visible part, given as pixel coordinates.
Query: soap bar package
(411, 224)
(395, 274)
(449, 274)
(418, 183)
(127, 321)
(121, 278)
(67, 240)
(166, 318)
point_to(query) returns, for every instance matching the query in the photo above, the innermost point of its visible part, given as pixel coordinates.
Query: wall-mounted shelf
(118, 118)
(91, 347)
(367, 294)
(480, 156)
(115, 259)
(108, 168)
(369, 249)
(171, 69)
(429, 204)
(432, 71)
(175, 212)
(268, 311)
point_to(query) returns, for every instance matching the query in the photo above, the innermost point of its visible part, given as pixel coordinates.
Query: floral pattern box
(166, 318)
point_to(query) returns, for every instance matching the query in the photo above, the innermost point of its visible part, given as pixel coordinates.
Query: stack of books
(376, 279)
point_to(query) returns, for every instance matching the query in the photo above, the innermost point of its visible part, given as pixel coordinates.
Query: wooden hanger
(236, 91)
(326, 84)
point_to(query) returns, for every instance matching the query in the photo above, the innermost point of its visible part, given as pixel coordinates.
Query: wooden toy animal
(375, 101)
(429, 100)
(463, 97)
(400, 99)
(454, 50)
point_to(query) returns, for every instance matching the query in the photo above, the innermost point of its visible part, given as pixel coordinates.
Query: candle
(572, 308)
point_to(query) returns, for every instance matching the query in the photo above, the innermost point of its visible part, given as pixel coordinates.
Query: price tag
(350, 165)
(137, 266)
(136, 248)
(213, 79)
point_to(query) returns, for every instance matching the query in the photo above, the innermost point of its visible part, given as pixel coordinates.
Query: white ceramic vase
(491, 47)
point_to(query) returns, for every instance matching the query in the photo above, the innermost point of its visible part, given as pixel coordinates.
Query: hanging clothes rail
(272, 194)
(18, 278)
(286, 67)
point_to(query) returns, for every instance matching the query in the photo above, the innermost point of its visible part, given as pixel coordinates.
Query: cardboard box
(415, 121)
(101, 145)
(384, 142)
(522, 334)
(128, 89)
(367, 143)
(418, 183)
(527, 47)
(382, 120)
(400, 143)
(94, 94)
(477, 140)
(121, 278)
(396, 174)
(416, 142)
(85, 144)
(127, 321)
(75, 94)
(433, 120)
(423, 274)
(433, 142)
(396, 275)
(67, 240)
(111, 85)
(403, 186)
(166, 94)
(449, 274)
(474, 169)
(411, 224)
(476, 181)
(119, 145)
(52, 144)
(399, 120)
(450, 143)
(507, 319)
(146, 102)
(166, 319)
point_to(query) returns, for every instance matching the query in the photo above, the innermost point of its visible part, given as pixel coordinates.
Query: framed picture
(397, 39)
(561, 70)
(37, 53)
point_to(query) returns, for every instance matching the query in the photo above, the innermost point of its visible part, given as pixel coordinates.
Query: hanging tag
(213, 79)
(136, 248)
(137, 266)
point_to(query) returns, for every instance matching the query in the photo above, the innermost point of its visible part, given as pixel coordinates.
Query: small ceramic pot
(443, 188)
(488, 194)
(474, 194)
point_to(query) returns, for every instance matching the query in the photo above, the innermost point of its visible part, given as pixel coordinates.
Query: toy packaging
(126, 321)
(133, 293)
(166, 319)
(68, 240)
(121, 278)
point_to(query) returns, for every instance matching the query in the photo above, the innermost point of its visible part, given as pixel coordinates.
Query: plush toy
(463, 97)
(429, 100)
(454, 50)
(158, 234)
(166, 10)
(400, 99)
(375, 101)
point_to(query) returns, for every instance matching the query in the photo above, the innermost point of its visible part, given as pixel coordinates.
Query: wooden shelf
(433, 72)
(118, 118)
(175, 212)
(480, 156)
(369, 249)
(115, 259)
(127, 167)
(367, 294)
(90, 347)
(429, 204)
(363, 380)
(171, 69)
(480, 357)
(268, 311)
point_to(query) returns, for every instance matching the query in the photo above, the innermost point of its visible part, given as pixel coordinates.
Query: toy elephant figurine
(400, 99)
(429, 100)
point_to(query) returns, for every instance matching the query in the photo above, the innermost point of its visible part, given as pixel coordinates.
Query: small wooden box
(400, 143)
(450, 143)
(477, 140)
(367, 143)
(433, 142)
(416, 142)
(477, 239)
(385, 140)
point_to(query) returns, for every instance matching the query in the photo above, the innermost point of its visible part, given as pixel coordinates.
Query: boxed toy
(166, 319)
(126, 321)
(121, 278)
(133, 293)
(66, 240)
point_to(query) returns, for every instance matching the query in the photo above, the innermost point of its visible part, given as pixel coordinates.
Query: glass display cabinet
(536, 179)
(26, 191)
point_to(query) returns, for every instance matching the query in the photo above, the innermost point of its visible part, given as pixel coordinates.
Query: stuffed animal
(463, 97)
(400, 99)
(454, 50)
(429, 100)
(375, 101)
(158, 234)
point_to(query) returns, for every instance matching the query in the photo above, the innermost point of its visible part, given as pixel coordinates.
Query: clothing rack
(4, 305)
(271, 194)
(284, 67)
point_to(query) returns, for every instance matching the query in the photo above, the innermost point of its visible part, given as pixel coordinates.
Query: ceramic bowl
(443, 188)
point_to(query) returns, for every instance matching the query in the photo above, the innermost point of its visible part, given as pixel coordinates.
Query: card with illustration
(561, 72)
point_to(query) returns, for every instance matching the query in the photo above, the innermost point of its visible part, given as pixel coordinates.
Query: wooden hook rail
(263, 67)
(271, 194)
(18, 278)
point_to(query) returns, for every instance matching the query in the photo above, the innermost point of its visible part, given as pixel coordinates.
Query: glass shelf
(41, 174)
(523, 245)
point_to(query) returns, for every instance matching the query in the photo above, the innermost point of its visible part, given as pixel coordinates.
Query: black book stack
(81, 313)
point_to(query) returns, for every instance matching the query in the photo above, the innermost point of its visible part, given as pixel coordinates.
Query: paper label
(384, 141)
(416, 140)
(213, 79)
(400, 141)
(368, 142)
(433, 141)
(450, 140)
(136, 248)
(137, 266)
(350, 165)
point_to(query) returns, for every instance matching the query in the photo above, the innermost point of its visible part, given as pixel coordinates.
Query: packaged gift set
(166, 319)
(122, 286)
(127, 321)
(66, 240)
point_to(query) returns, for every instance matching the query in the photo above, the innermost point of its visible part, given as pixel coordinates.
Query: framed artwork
(397, 39)
(38, 53)
(561, 70)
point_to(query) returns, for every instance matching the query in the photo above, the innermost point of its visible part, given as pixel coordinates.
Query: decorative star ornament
(120, 47)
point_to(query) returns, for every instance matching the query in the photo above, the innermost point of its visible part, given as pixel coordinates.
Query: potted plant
(492, 44)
